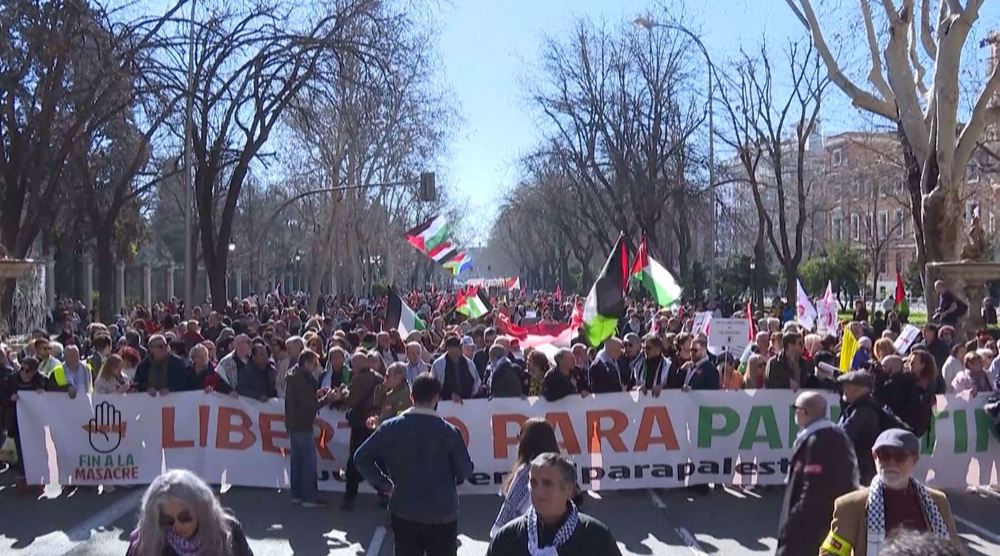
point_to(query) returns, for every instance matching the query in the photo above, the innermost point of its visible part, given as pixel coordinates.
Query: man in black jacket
(565, 379)
(823, 467)
(703, 375)
(553, 521)
(605, 375)
(630, 360)
(860, 418)
(162, 371)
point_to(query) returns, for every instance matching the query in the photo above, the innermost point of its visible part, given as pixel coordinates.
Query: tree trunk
(791, 291)
(105, 276)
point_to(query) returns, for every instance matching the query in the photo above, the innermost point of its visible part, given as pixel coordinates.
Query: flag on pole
(828, 311)
(657, 280)
(473, 303)
(513, 283)
(429, 234)
(848, 348)
(902, 307)
(606, 301)
(558, 293)
(400, 316)
(753, 326)
(806, 312)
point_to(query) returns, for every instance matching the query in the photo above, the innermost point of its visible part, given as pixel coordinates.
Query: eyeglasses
(182, 518)
(892, 454)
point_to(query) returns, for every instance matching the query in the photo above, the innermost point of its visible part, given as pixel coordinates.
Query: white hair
(182, 485)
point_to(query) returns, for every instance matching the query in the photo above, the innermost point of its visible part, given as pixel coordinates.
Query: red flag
(900, 290)
(753, 328)
(558, 293)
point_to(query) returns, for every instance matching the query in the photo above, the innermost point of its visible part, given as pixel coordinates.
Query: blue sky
(489, 49)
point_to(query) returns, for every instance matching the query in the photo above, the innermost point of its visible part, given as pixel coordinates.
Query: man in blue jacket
(418, 459)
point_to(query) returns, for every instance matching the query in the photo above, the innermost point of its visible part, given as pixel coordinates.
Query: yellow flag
(848, 347)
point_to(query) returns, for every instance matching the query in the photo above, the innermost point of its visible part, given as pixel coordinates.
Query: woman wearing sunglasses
(180, 516)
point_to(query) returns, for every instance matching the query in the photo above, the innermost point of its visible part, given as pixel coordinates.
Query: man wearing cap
(456, 372)
(823, 468)
(864, 518)
(859, 418)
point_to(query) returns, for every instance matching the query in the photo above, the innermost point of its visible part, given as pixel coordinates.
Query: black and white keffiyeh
(562, 535)
(876, 513)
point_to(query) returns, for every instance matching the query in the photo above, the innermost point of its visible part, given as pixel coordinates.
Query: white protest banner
(618, 441)
(731, 335)
(907, 336)
(700, 323)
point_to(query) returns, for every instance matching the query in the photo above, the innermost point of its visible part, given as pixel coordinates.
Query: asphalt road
(84, 522)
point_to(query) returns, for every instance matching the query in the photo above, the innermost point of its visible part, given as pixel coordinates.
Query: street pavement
(726, 522)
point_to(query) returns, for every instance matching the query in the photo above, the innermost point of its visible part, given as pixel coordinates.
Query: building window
(971, 210)
(837, 225)
(855, 227)
(883, 224)
(882, 262)
(838, 157)
(972, 172)
(899, 261)
(898, 223)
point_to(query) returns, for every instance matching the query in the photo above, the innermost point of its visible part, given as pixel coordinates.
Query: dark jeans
(358, 437)
(303, 466)
(417, 539)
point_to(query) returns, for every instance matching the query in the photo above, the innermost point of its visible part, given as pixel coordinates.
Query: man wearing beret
(895, 501)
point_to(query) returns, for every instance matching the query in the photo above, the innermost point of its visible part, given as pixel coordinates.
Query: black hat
(859, 378)
(898, 438)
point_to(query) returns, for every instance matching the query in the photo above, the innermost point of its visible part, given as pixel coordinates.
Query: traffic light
(428, 192)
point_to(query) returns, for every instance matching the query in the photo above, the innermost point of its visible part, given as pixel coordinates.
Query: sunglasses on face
(184, 517)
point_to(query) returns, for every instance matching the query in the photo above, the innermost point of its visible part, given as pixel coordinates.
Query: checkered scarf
(876, 513)
(562, 535)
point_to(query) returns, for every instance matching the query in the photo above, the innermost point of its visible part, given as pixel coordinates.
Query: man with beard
(651, 376)
(863, 519)
(823, 468)
(456, 373)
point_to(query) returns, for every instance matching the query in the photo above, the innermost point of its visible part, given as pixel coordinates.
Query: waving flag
(606, 301)
(459, 263)
(400, 316)
(657, 280)
(514, 283)
(828, 311)
(805, 310)
(474, 303)
(902, 307)
(848, 348)
(429, 234)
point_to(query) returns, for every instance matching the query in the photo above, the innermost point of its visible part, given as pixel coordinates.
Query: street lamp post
(753, 282)
(188, 185)
(649, 25)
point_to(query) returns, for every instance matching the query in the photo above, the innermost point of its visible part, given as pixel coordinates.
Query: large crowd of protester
(341, 352)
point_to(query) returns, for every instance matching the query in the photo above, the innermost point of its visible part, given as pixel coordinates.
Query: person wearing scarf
(863, 519)
(553, 526)
(823, 468)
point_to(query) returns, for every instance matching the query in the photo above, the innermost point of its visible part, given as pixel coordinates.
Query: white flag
(805, 310)
(828, 311)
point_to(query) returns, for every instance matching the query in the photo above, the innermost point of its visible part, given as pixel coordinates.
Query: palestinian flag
(430, 234)
(473, 303)
(658, 281)
(400, 316)
(605, 303)
(443, 252)
(902, 307)
(459, 263)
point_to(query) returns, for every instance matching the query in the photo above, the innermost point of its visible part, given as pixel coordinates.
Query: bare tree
(924, 107)
(54, 100)
(759, 118)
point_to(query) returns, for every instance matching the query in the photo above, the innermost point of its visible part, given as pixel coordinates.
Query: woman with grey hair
(181, 516)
